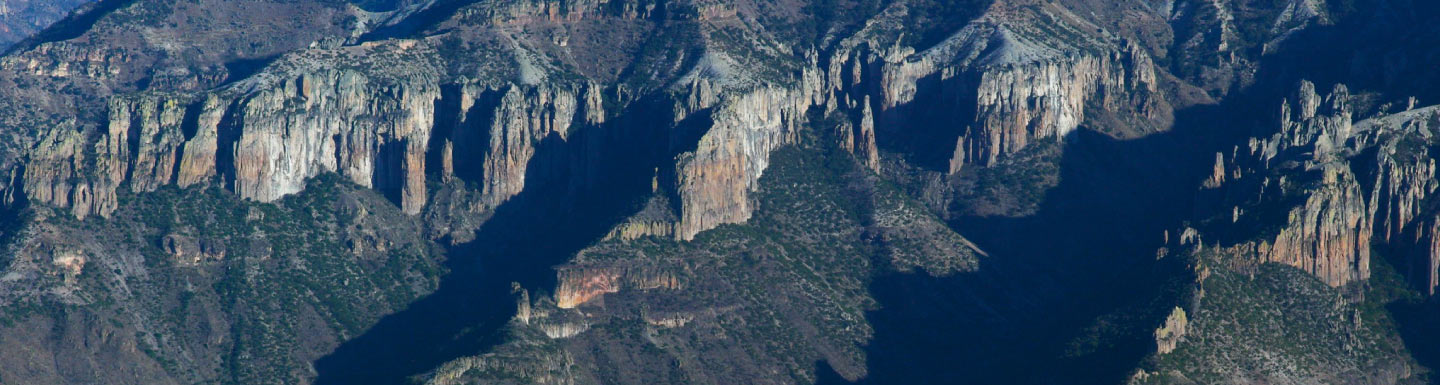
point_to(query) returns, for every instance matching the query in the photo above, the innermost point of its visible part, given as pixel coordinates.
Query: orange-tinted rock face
(1329, 235)
(582, 285)
(716, 179)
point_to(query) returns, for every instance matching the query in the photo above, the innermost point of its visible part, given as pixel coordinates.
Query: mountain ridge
(949, 151)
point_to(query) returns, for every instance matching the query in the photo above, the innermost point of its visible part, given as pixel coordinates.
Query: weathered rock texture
(1302, 169)
(715, 181)
(1329, 235)
(380, 123)
(581, 284)
(1348, 185)
(548, 100)
(1401, 202)
(1169, 334)
(1022, 84)
(273, 140)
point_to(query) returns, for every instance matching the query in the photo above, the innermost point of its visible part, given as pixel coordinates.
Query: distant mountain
(20, 19)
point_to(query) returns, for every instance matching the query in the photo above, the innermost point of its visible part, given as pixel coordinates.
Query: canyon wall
(1344, 188)
(1023, 87)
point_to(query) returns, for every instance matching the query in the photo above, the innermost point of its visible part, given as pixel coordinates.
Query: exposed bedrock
(1333, 188)
(995, 89)
(265, 136)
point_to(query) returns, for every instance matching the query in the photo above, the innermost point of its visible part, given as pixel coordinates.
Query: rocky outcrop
(1401, 202)
(578, 286)
(1346, 186)
(198, 162)
(1425, 265)
(57, 173)
(581, 284)
(265, 136)
(999, 83)
(1169, 334)
(669, 320)
(632, 230)
(268, 143)
(715, 180)
(552, 368)
(335, 121)
(1328, 236)
(1048, 99)
(656, 219)
(1025, 85)
(1303, 169)
(859, 138)
(510, 130)
(189, 251)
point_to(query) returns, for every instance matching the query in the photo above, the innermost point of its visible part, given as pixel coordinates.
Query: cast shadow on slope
(1072, 293)
(541, 227)
(72, 26)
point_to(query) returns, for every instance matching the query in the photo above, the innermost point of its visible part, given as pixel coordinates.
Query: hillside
(702, 191)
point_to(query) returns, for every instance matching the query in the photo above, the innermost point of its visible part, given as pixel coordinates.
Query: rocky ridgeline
(377, 127)
(1027, 85)
(1028, 75)
(1219, 52)
(1342, 186)
(1300, 177)
(266, 143)
(1401, 207)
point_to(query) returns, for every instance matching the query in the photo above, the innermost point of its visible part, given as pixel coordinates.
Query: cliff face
(266, 144)
(1329, 236)
(1302, 169)
(1401, 202)
(265, 136)
(522, 120)
(454, 111)
(1022, 84)
(1348, 186)
(581, 284)
(1048, 100)
(715, 181)
(374, 135)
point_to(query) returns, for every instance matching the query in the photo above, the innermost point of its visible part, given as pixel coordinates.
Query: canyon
(697, 191)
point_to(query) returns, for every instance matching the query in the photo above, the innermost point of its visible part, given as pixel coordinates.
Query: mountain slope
(603, 191)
